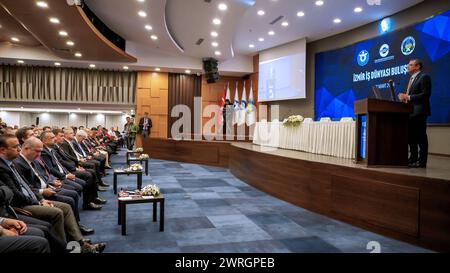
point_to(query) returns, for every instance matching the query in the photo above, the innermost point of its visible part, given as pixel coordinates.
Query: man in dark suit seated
(77, 144)
(418, 94)
(70, 152)
(60, 215)
(40, 183)
(62, 168)
(6, 211)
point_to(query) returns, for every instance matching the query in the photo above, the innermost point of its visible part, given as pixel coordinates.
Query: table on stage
(333, 138)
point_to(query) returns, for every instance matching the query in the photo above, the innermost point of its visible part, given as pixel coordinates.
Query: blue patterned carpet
(209, 210)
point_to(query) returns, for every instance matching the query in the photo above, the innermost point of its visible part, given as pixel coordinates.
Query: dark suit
(419, 97)
(143, 132)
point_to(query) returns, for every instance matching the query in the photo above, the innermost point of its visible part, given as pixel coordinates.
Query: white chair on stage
(346, 119)
(325, 119)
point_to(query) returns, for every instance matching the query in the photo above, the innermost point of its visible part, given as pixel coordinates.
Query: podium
(382, 132)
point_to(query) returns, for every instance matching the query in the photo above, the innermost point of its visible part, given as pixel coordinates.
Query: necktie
(47, 174)
(411, 80)
(61, 168)
(81, 149)
(33, 167)
(24, 186)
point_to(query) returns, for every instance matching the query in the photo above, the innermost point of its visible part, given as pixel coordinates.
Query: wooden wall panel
(152, 97)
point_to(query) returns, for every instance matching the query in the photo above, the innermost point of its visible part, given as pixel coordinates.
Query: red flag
(222, 105)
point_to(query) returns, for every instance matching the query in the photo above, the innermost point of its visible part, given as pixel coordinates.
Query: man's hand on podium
(403, 97)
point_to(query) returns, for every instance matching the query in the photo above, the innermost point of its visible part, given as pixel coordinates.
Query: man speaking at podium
(418, 94)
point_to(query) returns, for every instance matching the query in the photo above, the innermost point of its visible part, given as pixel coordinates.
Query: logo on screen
(363, 57)
(384, 50)
(408, 45)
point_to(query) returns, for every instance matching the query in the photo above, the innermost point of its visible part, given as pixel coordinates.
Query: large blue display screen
(348, 74)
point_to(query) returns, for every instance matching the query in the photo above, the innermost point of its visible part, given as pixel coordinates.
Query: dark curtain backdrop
(66, 85)
(182, 90)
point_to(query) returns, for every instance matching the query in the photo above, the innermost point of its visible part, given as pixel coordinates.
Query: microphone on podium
(391, 89)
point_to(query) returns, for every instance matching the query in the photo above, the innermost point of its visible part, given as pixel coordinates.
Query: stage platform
(412, 205)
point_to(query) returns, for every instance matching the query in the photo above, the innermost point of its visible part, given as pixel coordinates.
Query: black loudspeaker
(37, 121)
(210, 65)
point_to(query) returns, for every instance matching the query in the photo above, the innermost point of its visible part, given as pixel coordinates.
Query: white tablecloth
(333, 138)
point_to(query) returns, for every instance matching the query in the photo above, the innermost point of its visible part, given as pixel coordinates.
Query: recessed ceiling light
(271, 33)
(223, 6)
(15, 39)
(70, 43)
(157, 69)
(261, 39)
(285, 24)
(42, 4)
(319, 3)
(142, 13)
(20, 61)
(148, 27)
(57, 64)
(92, 65)
(78, 54)
(214, 34)
(125, 67)
(63, 33)
(141, 1)
(261, 12)
(251, 45)
(358, 9)
(215, 44)
(54, 20)
(337, 21)
(218, 53)
(216, 21)
(188, 71)
(154, 37)
(300, 14)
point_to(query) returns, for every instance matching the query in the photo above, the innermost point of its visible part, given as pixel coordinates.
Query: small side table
(124, 201)
(123, 172)
(132, 154)
(136, 159)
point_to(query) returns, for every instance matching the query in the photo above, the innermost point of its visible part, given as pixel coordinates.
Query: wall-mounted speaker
(210, 65)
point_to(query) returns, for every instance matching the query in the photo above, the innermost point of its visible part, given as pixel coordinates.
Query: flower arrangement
(293, 121)
(150, 190)
(135, 167)
(143, 156)
(139, 150)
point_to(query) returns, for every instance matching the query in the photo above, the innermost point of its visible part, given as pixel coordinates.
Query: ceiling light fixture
(148, 27)
(215, 44)
(285, 24)
(358, 10)
(157, 69)
(92, 65)
(223, 6)
(42, 4)
(216, 21)
(154, 37)
(271, 33)
(214, 34)
(20, 61)
(54, 20)
(261, 12)
(251, 45)
(300, 14)
(63, 33)
(319, 3)
(141, 1)
(125, 67)
(337, 21)
(142, 13)
(261, 39)
(57, 64)
(188, 71)
(78, 54)
(70, 43)
(15, 39)
(217, 53)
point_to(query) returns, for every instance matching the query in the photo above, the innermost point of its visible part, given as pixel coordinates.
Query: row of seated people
(41, 179)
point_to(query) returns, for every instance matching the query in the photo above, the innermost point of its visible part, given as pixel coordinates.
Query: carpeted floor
(209, 210)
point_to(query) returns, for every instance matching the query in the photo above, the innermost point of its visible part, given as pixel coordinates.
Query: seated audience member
(16, 237)
(59, 214)
(24, 133)
(28, 166)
